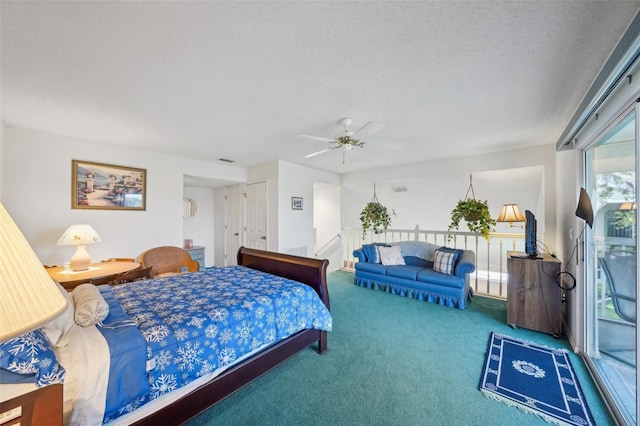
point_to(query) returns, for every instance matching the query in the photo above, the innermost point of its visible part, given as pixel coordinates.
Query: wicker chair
(167, 260)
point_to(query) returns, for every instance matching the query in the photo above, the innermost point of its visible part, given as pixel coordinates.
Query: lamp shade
(510, 213)
(76, 235)
(28, 295)
(80, 235)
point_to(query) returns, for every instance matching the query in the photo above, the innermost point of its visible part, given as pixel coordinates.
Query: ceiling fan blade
(313, 154)
(315, 138)
(368, 129)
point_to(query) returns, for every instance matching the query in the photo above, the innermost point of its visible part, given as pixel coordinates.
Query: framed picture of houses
(107, 187)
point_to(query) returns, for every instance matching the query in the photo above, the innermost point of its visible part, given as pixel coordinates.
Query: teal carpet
(391, 361)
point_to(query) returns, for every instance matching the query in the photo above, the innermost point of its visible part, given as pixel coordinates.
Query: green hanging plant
(374, 216)
(474, 212)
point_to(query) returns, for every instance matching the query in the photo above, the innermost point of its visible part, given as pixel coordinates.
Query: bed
(265, 350)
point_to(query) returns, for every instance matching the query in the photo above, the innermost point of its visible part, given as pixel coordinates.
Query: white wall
(200, 228)
(36, 190)
(569, 180)
(326, 221)
(525, 176)
(289, 229)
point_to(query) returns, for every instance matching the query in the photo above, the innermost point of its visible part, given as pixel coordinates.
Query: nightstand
(197, 253)
(42, 406)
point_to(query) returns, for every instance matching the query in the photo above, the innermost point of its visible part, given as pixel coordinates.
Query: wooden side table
(71, 279)
(42, 406)
(534, 300)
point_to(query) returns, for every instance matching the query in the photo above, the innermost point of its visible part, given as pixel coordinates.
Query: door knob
(263, 238)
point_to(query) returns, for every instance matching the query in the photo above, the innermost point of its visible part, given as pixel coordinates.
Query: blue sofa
(417, 278)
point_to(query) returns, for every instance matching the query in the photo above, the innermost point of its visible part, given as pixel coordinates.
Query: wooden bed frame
(312, 272)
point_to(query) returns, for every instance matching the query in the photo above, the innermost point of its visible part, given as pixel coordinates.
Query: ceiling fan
(345, 140)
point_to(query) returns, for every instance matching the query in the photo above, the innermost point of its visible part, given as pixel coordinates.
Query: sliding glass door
(611, 258)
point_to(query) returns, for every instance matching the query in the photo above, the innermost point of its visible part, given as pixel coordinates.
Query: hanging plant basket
(374, 216)
(474, 212)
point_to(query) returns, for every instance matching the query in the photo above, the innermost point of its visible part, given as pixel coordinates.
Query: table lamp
(80, 235)
(510, 213)
(30, 298)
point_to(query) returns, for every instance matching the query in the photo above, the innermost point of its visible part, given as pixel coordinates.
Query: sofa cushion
(376, 268)
(391, 255)
(405, 271)
(430, 276)
(417, 261)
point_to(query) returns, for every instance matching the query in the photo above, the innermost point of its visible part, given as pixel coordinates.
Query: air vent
(224, 160)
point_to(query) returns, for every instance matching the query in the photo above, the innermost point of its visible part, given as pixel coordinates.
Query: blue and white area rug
(536, 379)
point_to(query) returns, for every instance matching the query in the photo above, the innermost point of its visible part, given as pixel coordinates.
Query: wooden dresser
(534, 300)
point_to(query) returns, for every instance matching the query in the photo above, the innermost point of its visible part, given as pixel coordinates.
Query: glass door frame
(588, 252)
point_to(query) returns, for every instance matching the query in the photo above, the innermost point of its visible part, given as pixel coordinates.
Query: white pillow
(91, 308)
(391, 255)
(58, 328)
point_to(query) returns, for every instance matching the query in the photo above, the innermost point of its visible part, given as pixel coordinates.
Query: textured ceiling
(240, 80)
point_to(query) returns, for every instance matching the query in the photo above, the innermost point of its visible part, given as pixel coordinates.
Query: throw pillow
(30, 354)
(91, 308)
(391, 255)
(444, 262)
(372, 253)
(457, 252)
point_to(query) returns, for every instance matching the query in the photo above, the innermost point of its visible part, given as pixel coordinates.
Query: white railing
(490, 277)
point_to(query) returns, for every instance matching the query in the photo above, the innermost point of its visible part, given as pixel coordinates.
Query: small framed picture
(296, 203)
(107, 187)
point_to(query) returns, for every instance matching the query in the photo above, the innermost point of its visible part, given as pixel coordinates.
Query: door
(610, 262)
(256, 216)
(233, 225)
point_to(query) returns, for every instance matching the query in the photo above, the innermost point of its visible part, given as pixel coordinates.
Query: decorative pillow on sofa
(30, 354)
(445, 259)
(372, 251)
(391, 255)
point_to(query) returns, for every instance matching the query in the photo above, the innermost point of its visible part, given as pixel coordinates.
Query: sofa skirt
(424, 295)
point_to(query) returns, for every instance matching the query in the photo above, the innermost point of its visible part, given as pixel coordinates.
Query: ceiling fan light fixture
(345, 140)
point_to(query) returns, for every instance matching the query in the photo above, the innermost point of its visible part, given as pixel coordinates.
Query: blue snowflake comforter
(196, 323)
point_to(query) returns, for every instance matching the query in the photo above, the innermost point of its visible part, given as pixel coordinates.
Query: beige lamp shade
(80, 235)
(29, 297)
(510, 213)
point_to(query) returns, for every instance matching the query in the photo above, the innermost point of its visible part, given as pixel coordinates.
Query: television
(530, 234)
